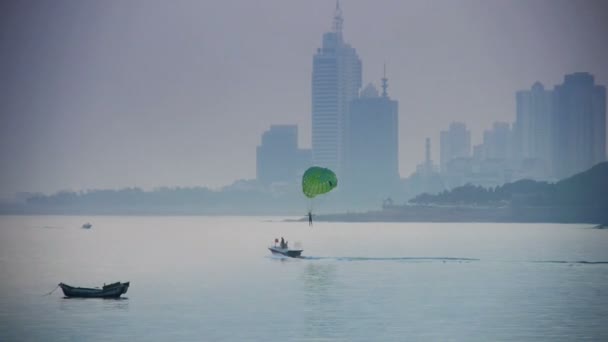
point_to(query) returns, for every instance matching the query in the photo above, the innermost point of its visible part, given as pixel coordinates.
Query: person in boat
(282, 242)
(310, 218)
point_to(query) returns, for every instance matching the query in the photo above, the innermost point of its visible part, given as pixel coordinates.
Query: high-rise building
(371, 161)
(580, 124)
(496, 141)
(278, 157)
(336, 80)
(454, 143)
(428, 163)
(533, 128)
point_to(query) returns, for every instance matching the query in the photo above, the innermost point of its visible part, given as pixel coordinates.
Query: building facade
(372, 149)
(533, 130)
(579, 125)
(454, 143)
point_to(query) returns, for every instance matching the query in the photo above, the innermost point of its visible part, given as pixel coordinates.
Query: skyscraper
(336, 79)
(372, 164)
(454, 143)
(580, 124)
(278, 158)
(533, 128)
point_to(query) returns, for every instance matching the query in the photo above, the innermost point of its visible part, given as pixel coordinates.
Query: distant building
(426, 179)
(454, 143)
(458, 172)
(533, 130)
(278, 158)
(478, 153)
(428, 162)
(336, 80)
(580, 125)
(372, 162)
(490, 163)
(496, 141)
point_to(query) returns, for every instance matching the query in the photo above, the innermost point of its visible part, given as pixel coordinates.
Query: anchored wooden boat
(113, 290)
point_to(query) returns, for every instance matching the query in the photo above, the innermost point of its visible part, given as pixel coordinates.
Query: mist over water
(213, 279)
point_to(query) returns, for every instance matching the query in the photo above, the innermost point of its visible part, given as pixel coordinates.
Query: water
(212, 279)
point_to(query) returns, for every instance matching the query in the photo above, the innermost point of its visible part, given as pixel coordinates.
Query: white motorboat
(292, 253)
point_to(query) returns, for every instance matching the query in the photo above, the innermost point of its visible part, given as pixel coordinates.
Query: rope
(56, 287)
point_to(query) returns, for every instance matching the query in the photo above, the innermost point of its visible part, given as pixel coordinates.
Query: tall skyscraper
(533, 128)
(454, 143)
(336, 80)
(278, 158)
(580, 124)
(372, 164)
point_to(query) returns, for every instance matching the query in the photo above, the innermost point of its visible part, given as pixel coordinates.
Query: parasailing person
(317, 181)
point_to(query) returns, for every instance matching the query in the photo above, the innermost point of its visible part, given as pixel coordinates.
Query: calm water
(212, 279)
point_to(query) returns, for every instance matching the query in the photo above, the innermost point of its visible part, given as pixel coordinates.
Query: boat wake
(406, 259)
(581, 262)
(50, 227)
(437, 259)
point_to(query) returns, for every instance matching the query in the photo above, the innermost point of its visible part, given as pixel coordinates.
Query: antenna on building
(384, 83)
(337, 25)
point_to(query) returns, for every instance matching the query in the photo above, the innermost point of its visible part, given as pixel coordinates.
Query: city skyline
(121, 101)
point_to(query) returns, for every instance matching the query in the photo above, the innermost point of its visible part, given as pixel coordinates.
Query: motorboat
(87, 225)
(282, 248)
(292, 253)
(113, 290)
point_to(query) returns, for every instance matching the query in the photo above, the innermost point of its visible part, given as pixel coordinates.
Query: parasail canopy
(318, 180)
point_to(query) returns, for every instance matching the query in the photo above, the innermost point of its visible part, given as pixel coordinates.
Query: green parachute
(318, 180)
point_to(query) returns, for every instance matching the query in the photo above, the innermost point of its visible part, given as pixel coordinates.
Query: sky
(149, 93)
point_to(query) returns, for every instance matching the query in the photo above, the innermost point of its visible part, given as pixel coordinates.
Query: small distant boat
(87, 225)
(292, 253)
(113, 290)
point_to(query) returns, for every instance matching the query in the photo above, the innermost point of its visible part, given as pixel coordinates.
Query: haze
(110, 94)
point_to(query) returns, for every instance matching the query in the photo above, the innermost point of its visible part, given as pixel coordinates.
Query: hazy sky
(109, 94)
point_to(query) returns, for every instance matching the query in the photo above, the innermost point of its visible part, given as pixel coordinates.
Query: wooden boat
(113, 290)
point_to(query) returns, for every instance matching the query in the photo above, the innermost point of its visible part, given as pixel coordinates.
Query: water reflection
(322, 301)
(116, 304)
(70, 304)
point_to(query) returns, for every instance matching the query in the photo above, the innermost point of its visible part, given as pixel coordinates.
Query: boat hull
(109, 291)
(292, 253)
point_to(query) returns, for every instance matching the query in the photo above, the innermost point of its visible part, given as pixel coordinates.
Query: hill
(577, 199)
